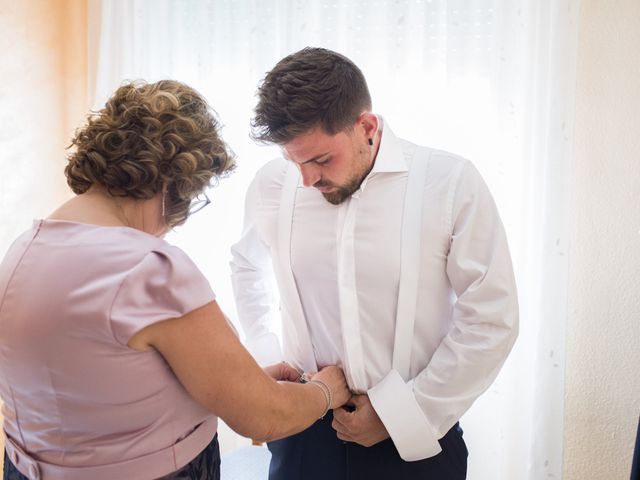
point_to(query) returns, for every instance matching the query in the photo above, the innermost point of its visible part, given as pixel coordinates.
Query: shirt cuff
(395, 404)
(265, 349)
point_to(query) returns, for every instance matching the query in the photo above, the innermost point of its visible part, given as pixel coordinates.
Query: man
(390, 260)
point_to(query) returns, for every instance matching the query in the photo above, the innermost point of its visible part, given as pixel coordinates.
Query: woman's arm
(221, 375)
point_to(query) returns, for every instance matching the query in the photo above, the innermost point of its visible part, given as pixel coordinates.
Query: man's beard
(342, 192)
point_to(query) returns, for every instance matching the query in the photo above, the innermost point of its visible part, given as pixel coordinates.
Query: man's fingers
(341, 415)
(359, 400)
(344, 437)
(340, 420)
(337, 426)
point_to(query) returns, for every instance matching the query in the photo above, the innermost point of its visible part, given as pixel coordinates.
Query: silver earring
(163, 195)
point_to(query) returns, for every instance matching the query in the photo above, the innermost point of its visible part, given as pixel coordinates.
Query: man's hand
(362, 425)
(282, 371)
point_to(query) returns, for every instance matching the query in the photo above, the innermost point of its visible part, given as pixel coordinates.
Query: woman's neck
(97, 206)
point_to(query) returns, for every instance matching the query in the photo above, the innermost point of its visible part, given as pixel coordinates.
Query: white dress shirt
(338, 270)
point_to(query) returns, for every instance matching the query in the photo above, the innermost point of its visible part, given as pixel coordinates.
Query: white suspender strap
(287, 283)
(411, 243)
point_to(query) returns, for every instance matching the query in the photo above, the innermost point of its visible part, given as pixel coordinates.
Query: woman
(115, 359)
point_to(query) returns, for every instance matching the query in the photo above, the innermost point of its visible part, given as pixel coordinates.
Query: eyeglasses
(199, 203)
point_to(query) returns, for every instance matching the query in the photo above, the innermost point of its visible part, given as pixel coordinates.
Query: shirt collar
(390, 157)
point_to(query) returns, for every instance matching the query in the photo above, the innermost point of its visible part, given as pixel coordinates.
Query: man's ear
(369, 123)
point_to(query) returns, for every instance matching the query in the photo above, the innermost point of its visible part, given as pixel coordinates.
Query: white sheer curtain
(492, 80)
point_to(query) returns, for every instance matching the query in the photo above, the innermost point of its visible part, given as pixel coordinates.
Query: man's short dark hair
(309, 88)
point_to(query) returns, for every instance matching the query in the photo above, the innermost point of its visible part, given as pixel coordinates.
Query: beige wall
(603, 346)
(42, 98)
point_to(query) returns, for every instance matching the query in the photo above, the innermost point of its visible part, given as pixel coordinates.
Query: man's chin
(336, 197)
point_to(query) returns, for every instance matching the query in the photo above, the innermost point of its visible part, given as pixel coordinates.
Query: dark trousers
(318, 454)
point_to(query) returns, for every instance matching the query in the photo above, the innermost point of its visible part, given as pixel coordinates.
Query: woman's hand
(220, 374)
(333, 377)
(282, 372)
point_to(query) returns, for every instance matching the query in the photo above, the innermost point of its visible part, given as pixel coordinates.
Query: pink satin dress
(78, 403)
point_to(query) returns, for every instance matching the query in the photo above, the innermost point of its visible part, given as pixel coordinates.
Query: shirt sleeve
(254, 285)
(483, 329)
(165, 284)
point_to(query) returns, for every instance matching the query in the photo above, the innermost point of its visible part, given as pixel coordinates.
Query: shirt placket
(349, 307)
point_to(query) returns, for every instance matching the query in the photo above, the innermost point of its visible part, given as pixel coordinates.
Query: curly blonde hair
(149, 135)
